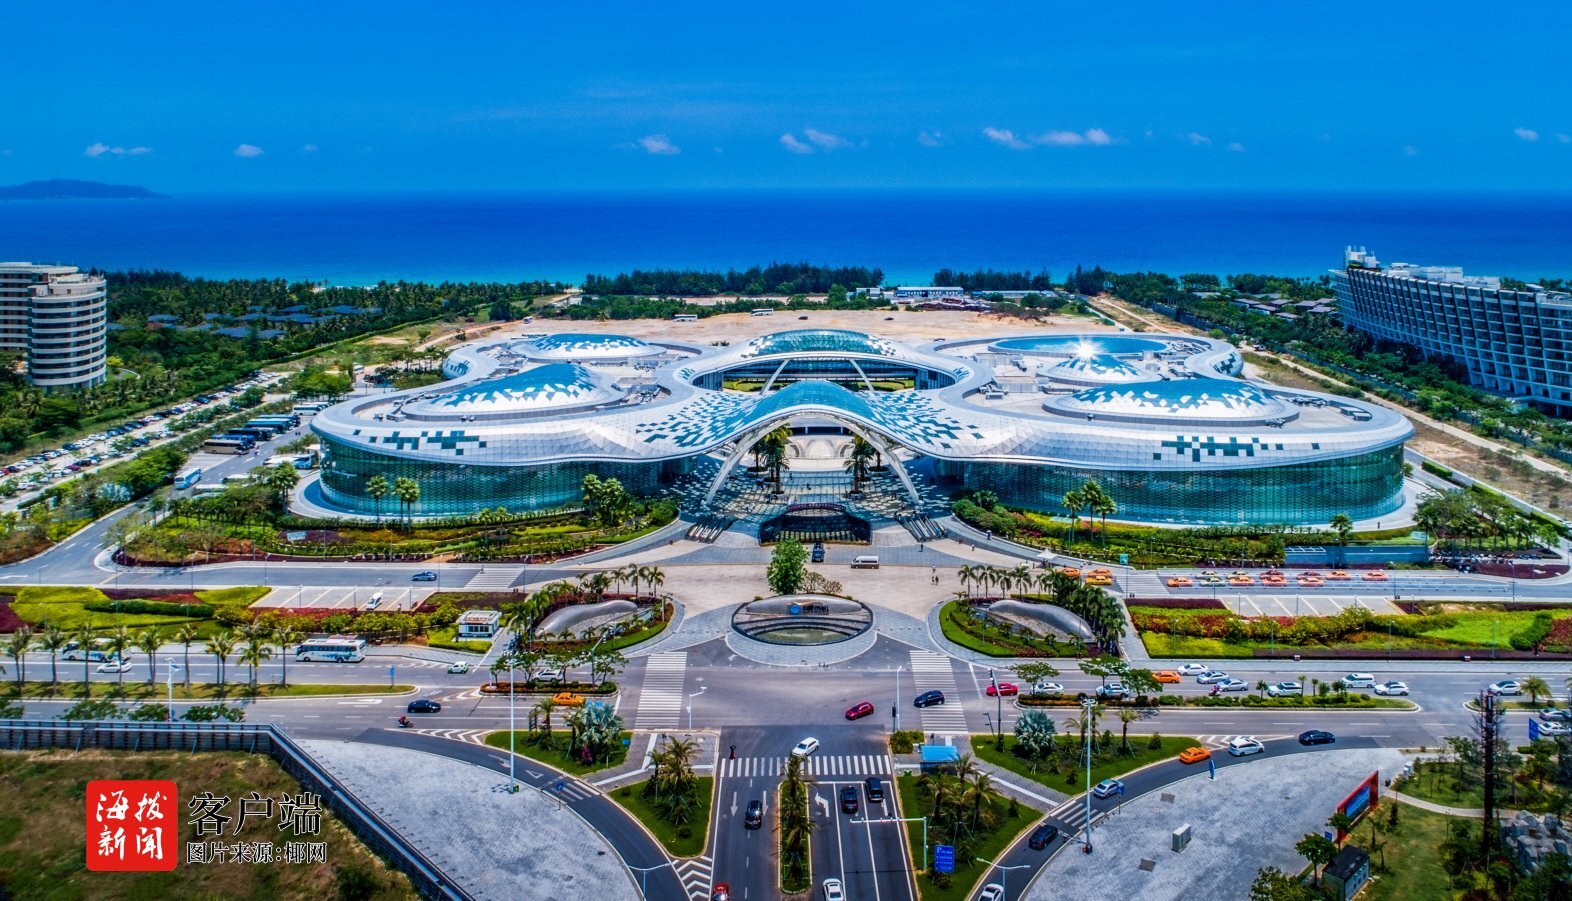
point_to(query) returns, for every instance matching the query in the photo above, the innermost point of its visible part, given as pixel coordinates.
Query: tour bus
(255, 433)
(225, 446)
(98, 653)
(267, 427)
(236, 478)
(685, 317)
(288, 419)
(188, 477)
(311, 407)
(337, 649)
(764, 311)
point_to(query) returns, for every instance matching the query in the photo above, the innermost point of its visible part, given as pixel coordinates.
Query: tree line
(776, 278)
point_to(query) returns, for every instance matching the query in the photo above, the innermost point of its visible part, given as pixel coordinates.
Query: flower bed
(1176, 603)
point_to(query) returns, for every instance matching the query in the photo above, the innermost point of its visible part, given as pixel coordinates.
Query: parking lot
(338, 598)
(1305, 604)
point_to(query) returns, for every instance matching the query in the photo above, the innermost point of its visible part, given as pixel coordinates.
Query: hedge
(1534, 634)
(163, 608)
(1436, 470)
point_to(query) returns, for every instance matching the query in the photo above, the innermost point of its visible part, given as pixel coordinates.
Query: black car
(754, 817)
(875, 789)
(818, 552)
(1316, 737)
(928, 698)
(849, 799)
(1043, 836)
(424, 706)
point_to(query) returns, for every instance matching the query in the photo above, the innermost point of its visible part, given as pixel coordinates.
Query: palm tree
(52, 638)
(1536, 686)
(543, 709)
(1023, 578)
(119, 643)
(1073, 501)
(967, 574)
(20, 642)
(977, 793)
(857, 462)
(771, 453)
(221, 646)
(655, 578)
(1104, 507)
(1127, 715)
(185, 634)
(253, 656)
(377, 488)
(407, 491)
(148, 641)
(285, 637)
(1342, 525)
(84, 636)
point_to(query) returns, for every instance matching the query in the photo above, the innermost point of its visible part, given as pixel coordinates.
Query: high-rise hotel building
(1512, 342)
(57, 316)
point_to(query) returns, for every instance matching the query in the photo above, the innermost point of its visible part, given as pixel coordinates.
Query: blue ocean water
(352, 240)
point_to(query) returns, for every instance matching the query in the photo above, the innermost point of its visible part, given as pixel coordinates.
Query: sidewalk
(1470, 812)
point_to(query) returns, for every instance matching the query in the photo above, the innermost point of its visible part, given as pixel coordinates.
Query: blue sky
(227, 97)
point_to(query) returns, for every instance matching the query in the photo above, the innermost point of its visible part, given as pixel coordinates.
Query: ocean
(356, 240)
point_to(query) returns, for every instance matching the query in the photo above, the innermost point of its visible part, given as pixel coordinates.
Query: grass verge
(1412, 854)
(1104, 766)
(141, 691)
(1448, 784)
(680, 841)
(527, 744)
(1013, 819)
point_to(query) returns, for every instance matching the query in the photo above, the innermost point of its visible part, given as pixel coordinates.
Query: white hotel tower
(56, 315)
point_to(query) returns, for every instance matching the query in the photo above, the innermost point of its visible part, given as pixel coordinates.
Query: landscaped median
(987, 637)
(978, 822)
(1332, 700)
(1062, 766)
(207, 691)
(558, 750)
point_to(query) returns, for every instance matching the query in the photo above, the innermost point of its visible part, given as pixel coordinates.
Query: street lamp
(1004, 872)
(896, 710)
(169, 679)
(1087, 704)
(690, 705)
(998, 719)
(513, 782)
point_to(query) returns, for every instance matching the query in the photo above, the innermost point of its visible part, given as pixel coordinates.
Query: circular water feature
(802, 619)
(1081, 345)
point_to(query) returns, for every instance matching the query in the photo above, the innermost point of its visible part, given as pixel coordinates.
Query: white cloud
(1236, 147)
(1099, 137)
(1006, 137)
(99, 149)
(659, 145)
(931, 138)
(1092, 136)
(308, 148)
(825, 140)
(248, 151)
(790, 142)
(1527, 134)
(1198, 139)
(1410, 150)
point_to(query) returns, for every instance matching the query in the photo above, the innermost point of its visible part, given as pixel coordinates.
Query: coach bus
(337, 649)
(101, 650)
(225, 446)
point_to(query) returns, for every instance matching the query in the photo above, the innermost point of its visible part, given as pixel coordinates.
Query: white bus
(337, 649)
(764, 311)
(308, 408)
(98, 653)
(188, 477)
(685, 317)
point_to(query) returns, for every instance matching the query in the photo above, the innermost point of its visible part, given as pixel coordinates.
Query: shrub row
(162, 608)
(1177, 603)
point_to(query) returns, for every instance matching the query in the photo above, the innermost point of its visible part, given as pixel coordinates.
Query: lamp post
(896, 710)
(998, 718)
(169, 679)
(1087, 704)
(1004, 872)
(690, 705)
(513, 782)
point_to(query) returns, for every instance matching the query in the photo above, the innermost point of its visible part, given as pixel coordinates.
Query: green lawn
(1440, 784)
(631, 797)
(527, 744)
(1159, 644)
(65, 606)
(959, 628)
(966, 872)
(1480, 629)
(1413, 856)
(136, 688)
(1105, 766)
(447, 639)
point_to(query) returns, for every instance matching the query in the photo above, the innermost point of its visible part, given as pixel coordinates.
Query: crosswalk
(471, 736)
(494, 578)
(696, 873)
(1221, 741)
(660, 700)
(569, 789)
(818, 765)
(1072, 813)
(931, 670)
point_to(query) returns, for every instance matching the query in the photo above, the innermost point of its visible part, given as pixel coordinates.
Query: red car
(1005, 689)
(859, 710)
(721, 892)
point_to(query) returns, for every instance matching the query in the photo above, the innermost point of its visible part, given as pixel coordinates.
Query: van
(866, 561)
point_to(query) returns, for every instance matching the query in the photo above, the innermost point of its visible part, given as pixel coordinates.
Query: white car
(115, 666)
(1284, 689)
(1108, 788)
(833, 891)
(1233, 685)
(1047, 688)
(1555, 729)
(805, 747)
(1212, 676)
(1359, 680)
(993, 891)
(1392, 688)
(1505, 687)
(1114, 690)
(1192, 669)
(1243, 747)
(458, 666)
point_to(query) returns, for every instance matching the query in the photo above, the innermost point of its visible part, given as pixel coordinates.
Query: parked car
(1003, 689)
(1393, 687)
(928, 698)
(1180, 582)
(423, 705)
(1505, 687)
(1108, 788)
(873, 787)
(1316, 737)
(849, 799)
(753, 817)
(1042, 836)
(1359, 680)
(1212, 677)
(1047, 688)
(1193, 669)
(1194, 754)
(805, 747)
(424, 575)
(1244, 747)
(1284, 689)
(818, 552)
(859, 710)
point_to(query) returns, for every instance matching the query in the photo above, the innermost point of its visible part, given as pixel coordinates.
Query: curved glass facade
(1364, 486)
(448, 489)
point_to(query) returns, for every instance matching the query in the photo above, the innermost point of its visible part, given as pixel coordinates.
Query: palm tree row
(960, 805)
(1092, 498)
(796, 824)
(1100, 610)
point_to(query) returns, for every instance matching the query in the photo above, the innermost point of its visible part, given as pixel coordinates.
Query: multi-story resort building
(58, 317)
(1163, 422)
(1512, 342)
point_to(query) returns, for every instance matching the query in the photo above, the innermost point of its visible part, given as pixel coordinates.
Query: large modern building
(57, 316)
(1162, 421)
(1512, 342)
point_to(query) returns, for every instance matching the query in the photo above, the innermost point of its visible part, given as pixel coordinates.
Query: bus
(337, 649)
(685, 317)
(225, 446)
(188, 477)
(267, 427)
(289, 420)
(255, 433)
(312, 407)
(98, 653)
(764, 311)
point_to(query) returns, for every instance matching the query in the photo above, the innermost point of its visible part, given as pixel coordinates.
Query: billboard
(1364, 797)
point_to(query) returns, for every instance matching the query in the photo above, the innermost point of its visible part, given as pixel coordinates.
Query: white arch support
(746, 440)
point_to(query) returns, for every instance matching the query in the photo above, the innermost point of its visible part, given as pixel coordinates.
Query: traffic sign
(944, 858)
(1533, 730)
(1124, 559)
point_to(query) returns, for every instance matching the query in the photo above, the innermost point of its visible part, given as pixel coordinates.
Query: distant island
(75, 189)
